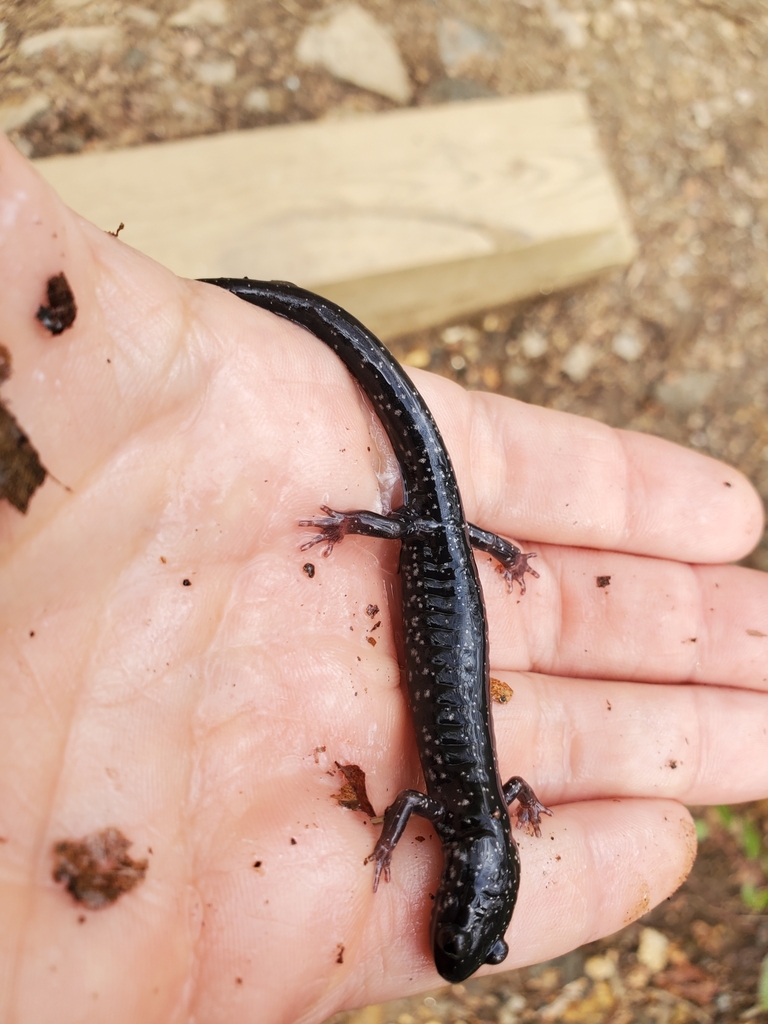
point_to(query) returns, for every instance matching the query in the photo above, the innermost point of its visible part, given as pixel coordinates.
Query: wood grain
(408, 219)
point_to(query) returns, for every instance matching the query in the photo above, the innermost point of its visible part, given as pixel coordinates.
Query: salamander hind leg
(334, 526)
(396, 816)
(513, 563)
(531, 808)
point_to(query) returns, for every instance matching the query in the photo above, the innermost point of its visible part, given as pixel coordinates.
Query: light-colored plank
(408, 219)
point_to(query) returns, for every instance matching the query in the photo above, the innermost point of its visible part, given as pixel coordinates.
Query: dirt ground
(676, 345)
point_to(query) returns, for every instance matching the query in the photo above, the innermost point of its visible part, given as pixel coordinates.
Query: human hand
(204, 720)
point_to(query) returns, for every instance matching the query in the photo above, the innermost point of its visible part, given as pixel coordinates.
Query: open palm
(171, 669)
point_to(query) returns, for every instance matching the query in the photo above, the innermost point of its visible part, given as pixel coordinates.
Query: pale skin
(194, 432)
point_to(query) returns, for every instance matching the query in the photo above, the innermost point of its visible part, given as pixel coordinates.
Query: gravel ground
(676, 345)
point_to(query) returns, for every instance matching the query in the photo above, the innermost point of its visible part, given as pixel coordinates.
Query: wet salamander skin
(445, 641)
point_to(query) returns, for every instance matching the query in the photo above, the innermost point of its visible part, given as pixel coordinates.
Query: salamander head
(474, 904)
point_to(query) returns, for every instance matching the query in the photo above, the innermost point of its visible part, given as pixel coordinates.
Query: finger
(119, 353)
(551, 476)
(608, 615)
(579, 739)
(598, 866)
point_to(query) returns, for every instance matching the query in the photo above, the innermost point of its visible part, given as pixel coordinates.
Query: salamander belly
(447, 671)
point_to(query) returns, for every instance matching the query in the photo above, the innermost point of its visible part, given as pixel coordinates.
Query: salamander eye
(498, 953)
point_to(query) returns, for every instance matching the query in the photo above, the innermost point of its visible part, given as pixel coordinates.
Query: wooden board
(407, 219)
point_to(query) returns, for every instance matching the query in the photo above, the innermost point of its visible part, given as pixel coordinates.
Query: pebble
(16, 115)
(134, 58)
(459, 42)
(533, 344)
(510, 1012)
(516, 375)
(3, 27)
(702, 115)
(567, 23)
(600, 968)
(742, 216)
(90, 39)
(653, 950)
(417, 357)
(578, 361)
(744, 97)
(142, 15)
(216, 72)
(201, 12)
(349, 43)
(460, 334)
(627, 346)
(257, 100)
(570, 993)
(685, 391)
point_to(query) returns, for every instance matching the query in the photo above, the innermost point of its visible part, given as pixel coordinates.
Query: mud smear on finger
(61, 310)
(97, 869)
(21, 471)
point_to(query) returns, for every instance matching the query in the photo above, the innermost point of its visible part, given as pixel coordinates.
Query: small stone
(201, 12)
(417, 357)
(134, 59)
(742, 216)
(142, 15)
(744, 97)
(627, 346)
(459, 42)
(702, 115)
(181, 105)
(16, 115)
(349, 43)
(257, 100)
(89, 40)
(625, 9)
(516, 375)
(533, 344)
(726, 29)
(460, 334)
(510, 1012)
(653, 950)
(685, 391)
(568, 23)
(599, 968)
(3, 27)
(216, 72)
(578, 362)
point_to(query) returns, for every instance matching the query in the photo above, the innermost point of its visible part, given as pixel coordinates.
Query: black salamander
(446, 646)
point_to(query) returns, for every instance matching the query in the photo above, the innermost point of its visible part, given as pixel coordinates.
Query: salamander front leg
(531, 809)
(334, 526)
(513, 563)
(396, 816)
